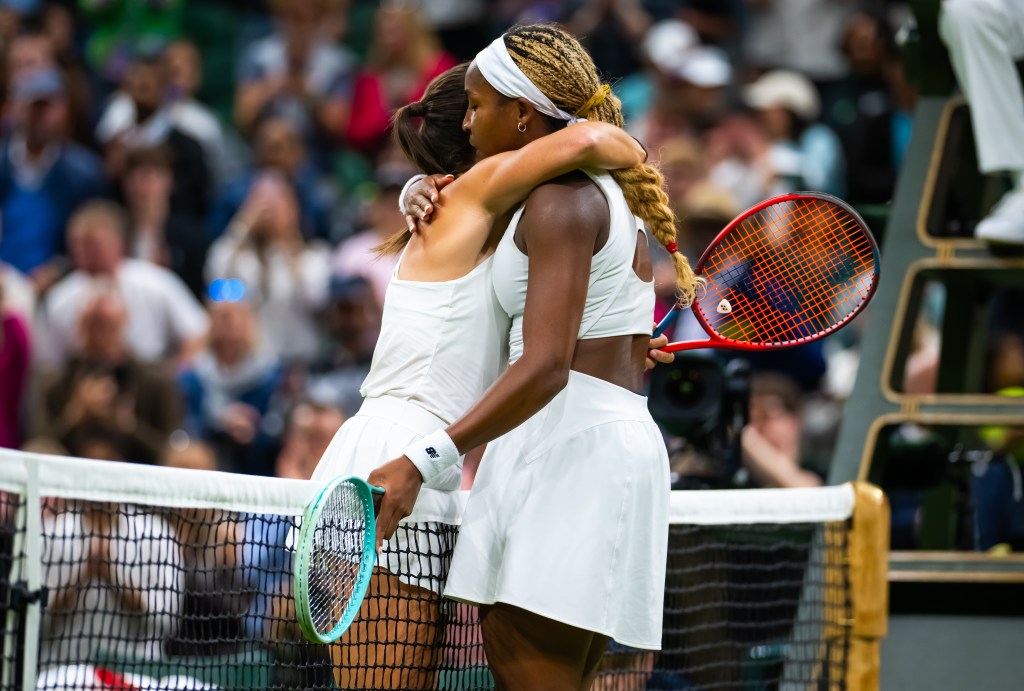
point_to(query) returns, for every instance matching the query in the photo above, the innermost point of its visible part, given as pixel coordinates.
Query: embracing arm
(561, 234)
(504, 180)
(561, 245)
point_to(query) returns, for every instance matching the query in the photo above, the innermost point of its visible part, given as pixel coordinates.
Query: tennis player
(443, 341)
(564, 538)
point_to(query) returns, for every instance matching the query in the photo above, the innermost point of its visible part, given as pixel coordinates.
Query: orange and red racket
(787, 271)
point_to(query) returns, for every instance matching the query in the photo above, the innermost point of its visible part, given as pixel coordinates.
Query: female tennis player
(442, 342)
(563, 542)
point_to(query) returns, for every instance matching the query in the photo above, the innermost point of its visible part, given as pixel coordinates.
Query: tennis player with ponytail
(564, 539)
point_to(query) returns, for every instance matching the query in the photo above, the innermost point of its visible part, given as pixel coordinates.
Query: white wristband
(433, 454)
(412, 181)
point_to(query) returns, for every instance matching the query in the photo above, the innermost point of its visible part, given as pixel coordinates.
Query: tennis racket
(334, 558)
(790, 270)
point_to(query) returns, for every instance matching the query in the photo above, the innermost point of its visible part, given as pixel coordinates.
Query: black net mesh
(144, 597)
(747, 608)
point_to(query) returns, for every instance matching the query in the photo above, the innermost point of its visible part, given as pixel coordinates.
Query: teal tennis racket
(334, 558)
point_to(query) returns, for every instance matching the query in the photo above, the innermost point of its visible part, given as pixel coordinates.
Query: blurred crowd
(191, 194)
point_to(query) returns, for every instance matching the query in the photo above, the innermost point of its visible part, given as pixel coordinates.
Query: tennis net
(117, 576)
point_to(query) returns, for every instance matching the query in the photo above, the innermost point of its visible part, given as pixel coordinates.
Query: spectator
(156, 233)
(883, 109)
(683, 92)
(353, 325)
(356, 256)
(58, 25)
(278, 148)
(213, 601)
(104, 392)
(800, 35)
(771, 441)
(610, 30)
(14, 368)
(683, 165)
(124, 29)
(230, 389)
(296, 74)
(804, 154)
(43, 179)
(164, 319)
(152, 122)
(738, 155)
(404, 58)
(182, 68)
(19, 295)
(985, 38)
(51, 45)
(127, 565)
(311, 430)
(266, 557)
(285, 277)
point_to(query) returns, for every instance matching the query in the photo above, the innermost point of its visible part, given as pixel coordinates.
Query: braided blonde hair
(564, 72)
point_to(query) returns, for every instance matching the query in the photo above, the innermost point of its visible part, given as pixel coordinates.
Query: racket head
(789, 270)
(334, 558)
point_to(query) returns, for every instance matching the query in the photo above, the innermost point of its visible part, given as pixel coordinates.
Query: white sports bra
(618, 302)
(441, 343)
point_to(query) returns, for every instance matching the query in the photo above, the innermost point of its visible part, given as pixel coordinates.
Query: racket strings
(790, 272)
(336, 556)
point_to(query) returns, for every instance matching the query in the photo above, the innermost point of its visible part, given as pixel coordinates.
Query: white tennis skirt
(568, 516)
(378, 433)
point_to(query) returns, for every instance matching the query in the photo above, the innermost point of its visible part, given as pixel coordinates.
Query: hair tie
(672, 248)
(595, 100)
(417, 109)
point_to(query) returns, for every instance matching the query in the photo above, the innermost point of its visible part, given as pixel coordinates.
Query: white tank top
(618, 302)
(441, 343)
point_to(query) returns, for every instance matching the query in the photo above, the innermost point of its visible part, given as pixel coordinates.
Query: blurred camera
(705, 402)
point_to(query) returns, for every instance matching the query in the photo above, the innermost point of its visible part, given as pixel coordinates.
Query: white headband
(501, 72)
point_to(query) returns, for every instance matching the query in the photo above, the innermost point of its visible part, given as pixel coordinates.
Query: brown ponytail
(430, 133)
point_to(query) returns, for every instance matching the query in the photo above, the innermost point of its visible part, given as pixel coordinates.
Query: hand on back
(421, 199)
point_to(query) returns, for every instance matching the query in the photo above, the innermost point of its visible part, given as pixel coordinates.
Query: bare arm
(560, 226)
(502, 181)
(561, 240)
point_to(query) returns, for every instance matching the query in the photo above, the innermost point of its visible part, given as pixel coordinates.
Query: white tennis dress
(568, 516)
(441, 345)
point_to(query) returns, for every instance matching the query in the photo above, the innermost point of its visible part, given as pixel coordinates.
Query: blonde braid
(564, 72)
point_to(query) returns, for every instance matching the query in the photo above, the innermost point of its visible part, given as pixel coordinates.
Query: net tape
(176, 579)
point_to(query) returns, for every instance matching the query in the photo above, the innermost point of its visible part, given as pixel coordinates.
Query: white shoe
(1005, 223)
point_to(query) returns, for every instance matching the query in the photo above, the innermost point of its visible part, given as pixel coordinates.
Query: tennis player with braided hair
(564, 538)
(443, 341)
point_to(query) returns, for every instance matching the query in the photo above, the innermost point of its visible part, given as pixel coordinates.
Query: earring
(521, 126)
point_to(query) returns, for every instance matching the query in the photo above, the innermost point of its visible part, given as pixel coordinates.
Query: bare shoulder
(573, 202)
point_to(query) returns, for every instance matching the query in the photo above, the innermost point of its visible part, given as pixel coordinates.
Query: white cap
(786, 89)
(705, 66)
(667, 40)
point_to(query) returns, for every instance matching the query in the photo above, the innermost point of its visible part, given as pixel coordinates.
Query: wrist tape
(433, 454)
(401, 199)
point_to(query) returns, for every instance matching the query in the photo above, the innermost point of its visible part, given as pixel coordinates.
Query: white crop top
(441, 343)
(618, 302)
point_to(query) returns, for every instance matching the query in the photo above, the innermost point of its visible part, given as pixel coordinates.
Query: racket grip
(667, 321)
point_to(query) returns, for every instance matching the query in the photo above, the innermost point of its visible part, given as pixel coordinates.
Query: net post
(869, 588)
(9, 658)
(33, 575)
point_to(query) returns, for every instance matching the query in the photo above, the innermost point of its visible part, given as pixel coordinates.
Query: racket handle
(667, 321)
